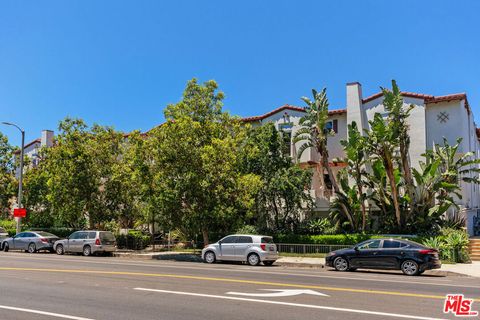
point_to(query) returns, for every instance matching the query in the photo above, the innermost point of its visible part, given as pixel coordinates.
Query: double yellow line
(228, 280)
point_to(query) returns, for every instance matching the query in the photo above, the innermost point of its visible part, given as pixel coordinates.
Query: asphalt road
(47, 286)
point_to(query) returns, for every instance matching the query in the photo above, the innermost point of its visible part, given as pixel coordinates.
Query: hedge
(9, 226)
(134, 240)
(340, 239)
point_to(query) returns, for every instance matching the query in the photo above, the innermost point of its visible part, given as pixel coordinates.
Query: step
(475, 257)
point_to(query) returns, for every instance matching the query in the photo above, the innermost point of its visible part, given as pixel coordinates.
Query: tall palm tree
(313, 134)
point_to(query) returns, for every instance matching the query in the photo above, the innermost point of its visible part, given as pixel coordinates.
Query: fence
(308, 248)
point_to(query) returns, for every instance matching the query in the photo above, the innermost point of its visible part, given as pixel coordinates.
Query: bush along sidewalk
(452, 245)
(335, 239)
(133, 240)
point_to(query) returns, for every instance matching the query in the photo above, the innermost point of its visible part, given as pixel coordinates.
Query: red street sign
(20, 212)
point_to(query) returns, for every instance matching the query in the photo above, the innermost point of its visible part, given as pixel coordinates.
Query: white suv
(242, 247)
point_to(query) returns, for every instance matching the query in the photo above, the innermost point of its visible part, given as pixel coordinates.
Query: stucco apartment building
(433, 118)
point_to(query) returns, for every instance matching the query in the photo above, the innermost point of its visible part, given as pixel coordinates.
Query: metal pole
(20, 183)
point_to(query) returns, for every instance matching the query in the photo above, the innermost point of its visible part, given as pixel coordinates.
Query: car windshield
(44, 234)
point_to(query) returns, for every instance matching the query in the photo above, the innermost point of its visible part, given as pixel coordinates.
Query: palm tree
(313, 134)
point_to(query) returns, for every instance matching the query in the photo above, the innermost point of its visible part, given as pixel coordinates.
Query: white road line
(257, 271)
(44, 313)
(310, 306)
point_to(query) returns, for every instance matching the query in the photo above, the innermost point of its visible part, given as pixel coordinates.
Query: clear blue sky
(120, 63)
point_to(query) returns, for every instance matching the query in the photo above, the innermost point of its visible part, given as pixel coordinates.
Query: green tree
(7, 175)
(282, 200)
(199, 154)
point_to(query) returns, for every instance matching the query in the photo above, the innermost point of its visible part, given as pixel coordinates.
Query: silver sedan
(31, 241)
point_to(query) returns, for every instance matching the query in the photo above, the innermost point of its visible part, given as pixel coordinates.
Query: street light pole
(20, 180)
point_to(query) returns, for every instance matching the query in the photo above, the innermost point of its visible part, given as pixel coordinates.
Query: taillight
(97, 242)
(44, 240)
(263, 246)
(427, 251)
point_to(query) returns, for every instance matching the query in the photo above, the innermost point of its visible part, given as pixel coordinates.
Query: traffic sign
(20, 212)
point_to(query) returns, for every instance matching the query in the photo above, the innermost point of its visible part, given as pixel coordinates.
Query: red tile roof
(287, 107)
(28, 145)
(428, 98)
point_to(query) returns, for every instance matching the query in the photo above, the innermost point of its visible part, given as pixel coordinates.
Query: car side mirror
(68, 238)
(356, 249)
(220, 242)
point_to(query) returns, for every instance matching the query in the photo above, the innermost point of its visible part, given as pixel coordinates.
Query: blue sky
(120, 63)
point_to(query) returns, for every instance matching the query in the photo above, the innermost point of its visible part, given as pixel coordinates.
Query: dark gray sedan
(31, 241)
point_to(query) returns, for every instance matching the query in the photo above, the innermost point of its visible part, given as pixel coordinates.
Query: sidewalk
(463, 269)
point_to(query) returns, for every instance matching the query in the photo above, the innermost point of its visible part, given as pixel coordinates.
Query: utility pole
(20, 180)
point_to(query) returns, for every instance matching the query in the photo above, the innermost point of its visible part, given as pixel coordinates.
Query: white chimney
(47, 138)
(355, 110)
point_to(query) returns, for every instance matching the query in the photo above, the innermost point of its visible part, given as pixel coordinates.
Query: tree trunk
(391, 177)
(407, 173)
(205, 236)
(362, 203)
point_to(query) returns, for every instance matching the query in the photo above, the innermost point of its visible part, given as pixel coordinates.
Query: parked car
(394, 254)
(87, 242)
(252, 249)
(31, 241)
(3, 233)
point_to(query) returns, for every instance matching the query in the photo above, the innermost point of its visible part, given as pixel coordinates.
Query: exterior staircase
(474, 249)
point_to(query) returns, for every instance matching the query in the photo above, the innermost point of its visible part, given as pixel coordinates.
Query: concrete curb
(189, 257)
(172, 256)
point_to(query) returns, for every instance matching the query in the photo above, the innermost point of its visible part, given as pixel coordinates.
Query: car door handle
(375, 252)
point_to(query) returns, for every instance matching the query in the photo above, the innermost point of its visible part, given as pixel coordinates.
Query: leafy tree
(7, 175)
(281, 201)
(199, 153)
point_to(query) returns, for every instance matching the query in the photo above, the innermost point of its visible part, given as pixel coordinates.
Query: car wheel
(410, 268)
(32, 248)
(87, 251)
(268, 263)
(5, 247)
(253, 259)
(340, 264)
(209, 257)
(60, 250)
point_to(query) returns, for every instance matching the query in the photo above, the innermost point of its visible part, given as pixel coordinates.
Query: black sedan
(393, 254)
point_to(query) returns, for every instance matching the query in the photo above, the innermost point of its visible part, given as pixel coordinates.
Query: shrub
(9, 226)
(134, 240)
(320, 226)
(341, 239)
(452, 244)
